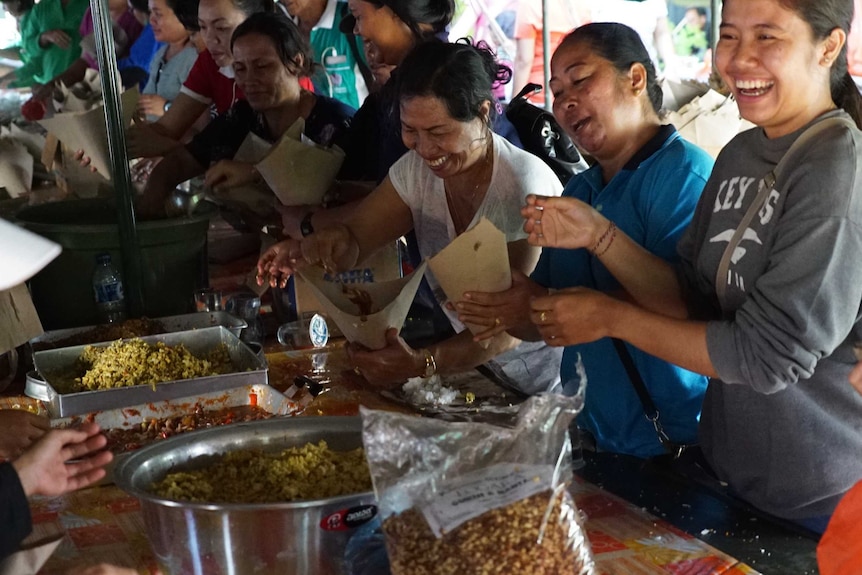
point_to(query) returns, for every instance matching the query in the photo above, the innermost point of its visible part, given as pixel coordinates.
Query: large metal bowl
(302, 538)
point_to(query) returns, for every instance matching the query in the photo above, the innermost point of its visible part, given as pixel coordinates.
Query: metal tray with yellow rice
(60, 368)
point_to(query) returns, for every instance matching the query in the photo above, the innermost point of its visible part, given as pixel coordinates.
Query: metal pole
(124, 193)
(714, 21)
(546, 54)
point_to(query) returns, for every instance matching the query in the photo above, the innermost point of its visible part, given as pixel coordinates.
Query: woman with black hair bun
(456, 172)
(391, 29)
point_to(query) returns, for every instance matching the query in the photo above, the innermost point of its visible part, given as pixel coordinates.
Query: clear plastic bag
(473, 498)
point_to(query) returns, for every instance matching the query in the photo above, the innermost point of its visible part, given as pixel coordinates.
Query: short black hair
(288, 40)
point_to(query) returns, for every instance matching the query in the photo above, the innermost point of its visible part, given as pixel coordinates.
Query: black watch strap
(305, 227)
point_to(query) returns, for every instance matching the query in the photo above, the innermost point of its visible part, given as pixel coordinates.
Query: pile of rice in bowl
(309, 472)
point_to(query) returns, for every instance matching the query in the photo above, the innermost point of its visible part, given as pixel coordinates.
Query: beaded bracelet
(612, 232)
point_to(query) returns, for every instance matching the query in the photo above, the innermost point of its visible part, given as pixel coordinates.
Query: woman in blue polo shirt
(646, 179)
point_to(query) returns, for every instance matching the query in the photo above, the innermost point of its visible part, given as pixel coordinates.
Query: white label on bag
(477, 493)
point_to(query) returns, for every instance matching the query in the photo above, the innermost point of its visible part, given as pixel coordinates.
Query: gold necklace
(459, 220)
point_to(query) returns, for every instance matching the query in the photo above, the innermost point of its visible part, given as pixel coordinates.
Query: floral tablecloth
(104, 524)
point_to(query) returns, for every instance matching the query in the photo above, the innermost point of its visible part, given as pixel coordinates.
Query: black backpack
(542, 136)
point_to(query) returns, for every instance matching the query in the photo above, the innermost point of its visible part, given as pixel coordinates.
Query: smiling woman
(647, 179)
(269, 58)
(773, 324)
(455, 173)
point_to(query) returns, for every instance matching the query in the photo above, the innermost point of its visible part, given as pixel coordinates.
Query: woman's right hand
(562, 222)
(57, 37)
(86, 162)
(335, 248)
(145, 141)
(278, 263)
(19, 429)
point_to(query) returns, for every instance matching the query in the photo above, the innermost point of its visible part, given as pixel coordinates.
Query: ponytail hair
(824, 16)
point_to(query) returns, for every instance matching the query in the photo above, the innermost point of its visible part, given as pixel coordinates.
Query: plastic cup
(208, 299)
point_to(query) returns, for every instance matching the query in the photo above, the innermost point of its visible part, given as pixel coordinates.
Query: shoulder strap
(764, 188)
(650, 410)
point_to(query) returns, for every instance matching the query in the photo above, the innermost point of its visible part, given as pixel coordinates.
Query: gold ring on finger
(543, 317)
(357, 371)
(497, 321)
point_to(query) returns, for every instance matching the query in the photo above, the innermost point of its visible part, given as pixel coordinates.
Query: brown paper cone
(390, 301)
(477, 260)
(299, 171)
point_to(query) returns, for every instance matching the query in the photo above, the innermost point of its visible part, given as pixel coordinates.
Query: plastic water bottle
(108, 291)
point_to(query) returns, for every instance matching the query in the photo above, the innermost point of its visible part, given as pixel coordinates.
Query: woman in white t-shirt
(456, 172)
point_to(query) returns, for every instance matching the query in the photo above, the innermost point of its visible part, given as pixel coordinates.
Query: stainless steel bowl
(303, 538)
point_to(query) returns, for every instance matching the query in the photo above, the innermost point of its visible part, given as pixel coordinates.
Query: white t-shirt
(641, 16)
(533, 366)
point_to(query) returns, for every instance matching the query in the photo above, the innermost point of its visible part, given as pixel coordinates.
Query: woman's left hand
(389, 367)
(151, 105)
(229, 174)
(500, 311)
(572, 316)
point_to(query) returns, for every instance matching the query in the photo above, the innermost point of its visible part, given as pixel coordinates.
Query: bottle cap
(318, 331)
(103, 259)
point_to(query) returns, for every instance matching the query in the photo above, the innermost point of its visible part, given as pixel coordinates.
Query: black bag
(542, 136)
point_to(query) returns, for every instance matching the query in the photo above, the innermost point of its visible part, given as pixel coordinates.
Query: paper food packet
(477, 260)
(298, 170)
(364, 311)
(87, 130)
(255, 198)
(16, 167)
(30, 559)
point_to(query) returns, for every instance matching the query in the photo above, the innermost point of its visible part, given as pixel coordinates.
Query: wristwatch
(305, 227)
(167, 105)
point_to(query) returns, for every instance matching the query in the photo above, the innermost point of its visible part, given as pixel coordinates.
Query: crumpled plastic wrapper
(474, 498)
(709, 121)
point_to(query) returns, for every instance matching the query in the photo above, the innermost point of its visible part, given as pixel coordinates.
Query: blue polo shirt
(652, 200)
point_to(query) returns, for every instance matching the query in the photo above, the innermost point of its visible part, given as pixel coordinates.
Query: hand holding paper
(87, 131)
(477, 260)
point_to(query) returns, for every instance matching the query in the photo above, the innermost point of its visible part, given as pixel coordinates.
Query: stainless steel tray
(173, 323)
(250, 369)
(263, 396)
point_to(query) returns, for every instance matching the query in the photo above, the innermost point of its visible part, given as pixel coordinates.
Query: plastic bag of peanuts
(472, 498)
